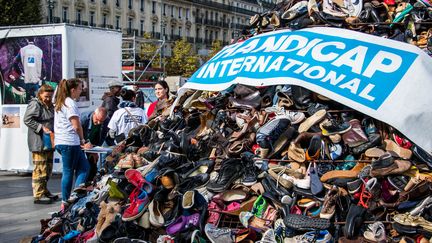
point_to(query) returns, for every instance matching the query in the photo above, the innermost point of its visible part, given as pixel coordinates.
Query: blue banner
(358, 69)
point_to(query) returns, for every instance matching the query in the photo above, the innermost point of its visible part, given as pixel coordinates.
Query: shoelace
(279, 175)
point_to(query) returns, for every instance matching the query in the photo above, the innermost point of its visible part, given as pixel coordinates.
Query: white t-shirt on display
(64, 133)
(31, 58)
(121, 121)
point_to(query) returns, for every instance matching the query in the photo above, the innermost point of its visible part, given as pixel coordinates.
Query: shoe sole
(312, 120)
(394, 147)
(374, 152)
(249, 183)
(136, 216)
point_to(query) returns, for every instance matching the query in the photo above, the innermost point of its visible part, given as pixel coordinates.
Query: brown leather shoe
(398, 167)
(344, 173)
(391, 146)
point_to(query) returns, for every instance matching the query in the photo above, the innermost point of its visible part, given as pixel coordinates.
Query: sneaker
(417, 211)
(268, 237)
(322, 236)
(165, 239)
(294, 116)
(249, 175)
(215, 234)
(329, 205)
(280, 230)
(332, 127)
(43, 200)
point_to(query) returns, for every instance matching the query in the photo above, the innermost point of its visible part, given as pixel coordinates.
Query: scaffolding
(136, 71)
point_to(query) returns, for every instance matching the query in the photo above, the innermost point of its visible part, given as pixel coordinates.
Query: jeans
(74, 162)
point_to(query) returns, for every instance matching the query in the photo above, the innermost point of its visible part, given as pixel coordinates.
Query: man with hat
(110, 99)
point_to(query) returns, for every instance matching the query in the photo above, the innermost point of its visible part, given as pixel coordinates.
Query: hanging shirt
(31, 58)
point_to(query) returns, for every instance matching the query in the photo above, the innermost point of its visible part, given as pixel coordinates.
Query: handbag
(48, 141)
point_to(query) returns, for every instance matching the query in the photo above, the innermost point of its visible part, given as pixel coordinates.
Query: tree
(20, 12)
(183, 62)
(148, 50)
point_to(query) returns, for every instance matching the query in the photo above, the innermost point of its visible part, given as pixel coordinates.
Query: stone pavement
(19, 217)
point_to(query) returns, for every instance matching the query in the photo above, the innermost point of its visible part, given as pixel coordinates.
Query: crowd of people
(62, 127)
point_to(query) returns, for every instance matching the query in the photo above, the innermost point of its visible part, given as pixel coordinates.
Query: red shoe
(137, 207)
(135, 177)
(404, 143)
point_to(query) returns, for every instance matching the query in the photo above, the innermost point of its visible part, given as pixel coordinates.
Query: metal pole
(163, 40)
(50, 11)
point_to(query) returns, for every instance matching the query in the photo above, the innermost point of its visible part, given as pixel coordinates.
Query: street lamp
(50, 11)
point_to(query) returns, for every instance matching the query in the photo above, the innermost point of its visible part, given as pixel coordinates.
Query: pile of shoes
(407, 21)
(268, 164)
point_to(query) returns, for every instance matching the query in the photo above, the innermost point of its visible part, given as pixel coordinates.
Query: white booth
(47, 54)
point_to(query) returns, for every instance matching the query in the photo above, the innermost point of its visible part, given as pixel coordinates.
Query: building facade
(199, 21)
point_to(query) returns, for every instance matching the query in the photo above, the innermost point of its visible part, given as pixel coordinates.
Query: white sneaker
(427, 202)
(268, 237)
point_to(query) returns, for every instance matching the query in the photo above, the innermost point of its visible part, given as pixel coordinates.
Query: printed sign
(383, 78)
(361, 71)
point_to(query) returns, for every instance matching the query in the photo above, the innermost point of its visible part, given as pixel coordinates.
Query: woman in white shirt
(68, 136)
(128, 116)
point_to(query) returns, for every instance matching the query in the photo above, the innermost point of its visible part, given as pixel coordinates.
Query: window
(65, 14)
(130, 4)
(216, 34)
(224, 37)
(104, 1)
(142, 27)
(117, 22)
(206, 34)
(216, 16)
(172, 11)
(153, 29)
(104, 20)
(180, 13)
(211, 15)
(164, 31)
(130, 24)
(238, 20)
(180, 31)
(187, 14)
(153, 7)
(142, 5)
(78, 16)
(198, 32)
(92, 18)
(211, 35)
(164, 9)
(172, 30)
(118, 3)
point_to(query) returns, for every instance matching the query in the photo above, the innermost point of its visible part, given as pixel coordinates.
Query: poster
(26, 63)
(82, 73)
(10, 117)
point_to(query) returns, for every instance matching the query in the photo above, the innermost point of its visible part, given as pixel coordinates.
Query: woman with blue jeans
(68, 136)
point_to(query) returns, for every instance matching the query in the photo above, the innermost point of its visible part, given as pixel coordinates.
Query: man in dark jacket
(110, 99)
(139, 97)
(95, 129)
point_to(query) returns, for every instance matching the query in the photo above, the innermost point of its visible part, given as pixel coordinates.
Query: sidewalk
(19, 217)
